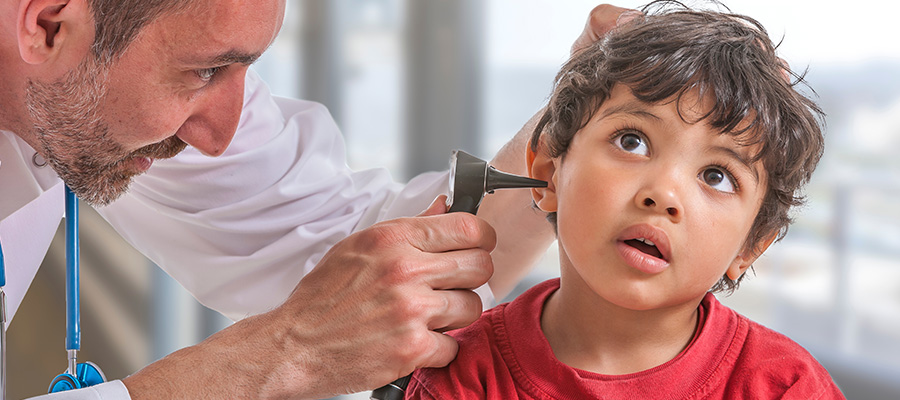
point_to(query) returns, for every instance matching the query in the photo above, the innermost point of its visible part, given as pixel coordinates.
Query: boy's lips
(645, 248)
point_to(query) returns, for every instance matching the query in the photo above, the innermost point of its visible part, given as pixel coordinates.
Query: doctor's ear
(542, 166)
(45, 27)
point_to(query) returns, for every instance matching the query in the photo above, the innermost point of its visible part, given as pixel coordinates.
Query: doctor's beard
(77, 142)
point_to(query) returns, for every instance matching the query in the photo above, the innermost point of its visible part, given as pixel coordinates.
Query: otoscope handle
(396, 390)
(470, 179)
(393, 391)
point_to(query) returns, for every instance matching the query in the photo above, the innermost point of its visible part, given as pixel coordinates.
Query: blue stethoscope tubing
(73, 305)
(2, 327)
(76, 375)
(85, 374)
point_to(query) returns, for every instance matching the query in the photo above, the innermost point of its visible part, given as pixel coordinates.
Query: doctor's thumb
(438, 206)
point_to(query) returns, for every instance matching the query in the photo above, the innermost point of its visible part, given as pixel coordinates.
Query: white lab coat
(238, 231)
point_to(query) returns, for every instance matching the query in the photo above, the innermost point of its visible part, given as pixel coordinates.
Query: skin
(155, 93)
(640, 165)
(512, 245)
(373, 308)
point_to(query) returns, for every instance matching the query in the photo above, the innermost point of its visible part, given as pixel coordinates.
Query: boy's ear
(44, 27)
(748, 256)
(542, 166)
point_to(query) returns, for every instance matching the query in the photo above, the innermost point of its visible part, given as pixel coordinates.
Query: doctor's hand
(372, 310)
(601, 20)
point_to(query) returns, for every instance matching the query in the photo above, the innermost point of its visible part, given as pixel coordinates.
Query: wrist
(254, 358)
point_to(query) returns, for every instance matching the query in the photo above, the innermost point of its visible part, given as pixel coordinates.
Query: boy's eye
(718, 179)
(632, 143)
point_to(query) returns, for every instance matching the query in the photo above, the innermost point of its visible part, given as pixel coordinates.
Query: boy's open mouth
(645, 246)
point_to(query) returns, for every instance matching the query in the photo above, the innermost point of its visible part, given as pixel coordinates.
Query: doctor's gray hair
(118, 22)
(672, 50)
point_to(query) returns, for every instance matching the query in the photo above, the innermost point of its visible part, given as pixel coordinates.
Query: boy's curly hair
(671, 50)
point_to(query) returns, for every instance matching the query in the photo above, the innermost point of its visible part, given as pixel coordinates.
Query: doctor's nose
(661, 198)
(215, 116)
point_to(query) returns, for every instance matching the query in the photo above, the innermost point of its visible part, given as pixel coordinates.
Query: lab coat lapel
(26, 235)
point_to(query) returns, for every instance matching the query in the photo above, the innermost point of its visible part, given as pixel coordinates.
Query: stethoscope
(77, 375)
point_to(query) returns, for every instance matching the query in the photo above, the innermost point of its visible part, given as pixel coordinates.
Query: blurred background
(410, 80)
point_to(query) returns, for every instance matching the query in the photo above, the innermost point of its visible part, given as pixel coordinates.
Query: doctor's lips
(167, 148)
(143, 157)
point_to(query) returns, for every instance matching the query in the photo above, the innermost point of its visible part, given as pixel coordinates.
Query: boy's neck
(588, 333)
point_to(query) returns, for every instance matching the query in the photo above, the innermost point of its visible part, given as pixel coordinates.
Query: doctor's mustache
(167, 148)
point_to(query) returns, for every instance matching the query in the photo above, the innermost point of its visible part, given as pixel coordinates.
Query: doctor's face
(179, 83)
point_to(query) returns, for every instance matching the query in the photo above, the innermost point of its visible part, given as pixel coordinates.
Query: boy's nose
(661, 200)
(648, 202)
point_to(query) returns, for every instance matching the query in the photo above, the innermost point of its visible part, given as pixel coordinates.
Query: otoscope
(470, 179)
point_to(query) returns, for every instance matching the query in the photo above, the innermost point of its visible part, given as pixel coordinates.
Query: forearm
(523, 234)
(246, 360)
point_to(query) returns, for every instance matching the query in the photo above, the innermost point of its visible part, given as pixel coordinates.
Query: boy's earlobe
(743, 261)
(541, 166)
(43, 25)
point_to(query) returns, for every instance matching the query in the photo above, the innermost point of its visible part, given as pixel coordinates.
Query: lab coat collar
(21, 181)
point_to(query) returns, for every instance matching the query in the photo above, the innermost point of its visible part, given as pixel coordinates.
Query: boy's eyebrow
(635, 108)
(631, 108)
(741, 159)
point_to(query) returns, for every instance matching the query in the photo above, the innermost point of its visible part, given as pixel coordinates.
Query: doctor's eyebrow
(226, 58)
(234, 57)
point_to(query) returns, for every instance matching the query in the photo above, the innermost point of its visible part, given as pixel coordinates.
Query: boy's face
(637, 172)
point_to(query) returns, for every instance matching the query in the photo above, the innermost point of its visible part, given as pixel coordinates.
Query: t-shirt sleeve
(425, 380)
(477, 371)
(772, 366)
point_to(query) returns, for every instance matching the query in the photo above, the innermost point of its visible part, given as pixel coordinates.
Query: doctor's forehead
(218, 31)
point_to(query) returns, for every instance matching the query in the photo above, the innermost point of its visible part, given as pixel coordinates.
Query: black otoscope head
(470, 179)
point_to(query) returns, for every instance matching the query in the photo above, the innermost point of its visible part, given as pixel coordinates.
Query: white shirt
(238, 231)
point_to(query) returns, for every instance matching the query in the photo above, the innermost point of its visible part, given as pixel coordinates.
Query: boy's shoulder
(505, 355)
(768, 364)
(488, 364)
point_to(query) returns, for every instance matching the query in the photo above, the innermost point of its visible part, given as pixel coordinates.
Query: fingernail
(627, 17)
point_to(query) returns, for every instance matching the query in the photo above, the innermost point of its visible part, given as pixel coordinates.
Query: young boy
(674, 150)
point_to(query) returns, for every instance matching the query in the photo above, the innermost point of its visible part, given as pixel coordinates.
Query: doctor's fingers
(601, 20)
(454, 309)
(432, 234)
(422, 343)
(459, 269)
(440, 233)
(436, 310)
(429, 349)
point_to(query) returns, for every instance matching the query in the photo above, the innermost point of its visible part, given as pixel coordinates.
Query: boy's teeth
(647, 241)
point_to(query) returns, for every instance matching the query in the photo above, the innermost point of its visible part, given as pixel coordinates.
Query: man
(97, 91)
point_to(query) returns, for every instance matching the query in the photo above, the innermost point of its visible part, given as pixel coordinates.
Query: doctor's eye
(207, 74)
(631, 142)
(719, 179)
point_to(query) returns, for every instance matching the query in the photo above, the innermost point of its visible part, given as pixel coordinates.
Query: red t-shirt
(504, 355)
